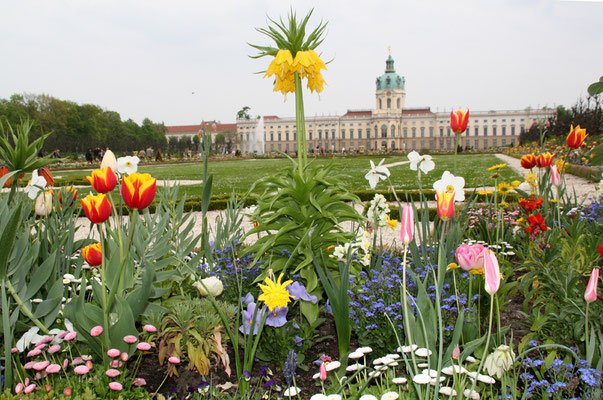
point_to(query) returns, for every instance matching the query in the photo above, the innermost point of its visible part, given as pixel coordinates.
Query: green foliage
(300, 214)
(192, 331)
(596, 88)
(80, 127)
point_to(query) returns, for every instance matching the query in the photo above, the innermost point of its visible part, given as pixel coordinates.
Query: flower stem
(300, 124)
(481, 363)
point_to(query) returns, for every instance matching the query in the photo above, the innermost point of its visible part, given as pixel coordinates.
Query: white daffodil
(376, 173)
(127, 165)
(34, 186)
(450, 183)
(424, 162)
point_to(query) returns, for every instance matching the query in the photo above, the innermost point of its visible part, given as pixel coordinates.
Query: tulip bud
(445, 205)
(323, 371)
(109, 160)
(555, 177)
(590, 294)
(458, 121)
(43, 206)
(491, 271)
(213, 285)
(408, 224)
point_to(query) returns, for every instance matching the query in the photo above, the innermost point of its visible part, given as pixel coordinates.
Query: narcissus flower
(576, 137)
(528, 161)
(445, 204)
(138, 190)
(544, 160)
(449, 184)
(96, 208)
(127, 165)
(458, 121)
(103, 180)
(93, 255)
(275, 294)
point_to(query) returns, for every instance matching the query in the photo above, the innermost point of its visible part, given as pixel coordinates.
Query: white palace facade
(391, 126)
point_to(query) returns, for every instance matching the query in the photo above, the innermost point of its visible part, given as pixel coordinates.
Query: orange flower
(103, 180)
(544, 160)
(96, 208)
(70, 200)
(445, 205)
(459, 121)
(45, 172)
(3, 171)
(576, 137)
(93, 254)
(528, 161)
(138, 190)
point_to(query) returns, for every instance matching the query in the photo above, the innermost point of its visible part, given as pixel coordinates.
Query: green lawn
(239, 175)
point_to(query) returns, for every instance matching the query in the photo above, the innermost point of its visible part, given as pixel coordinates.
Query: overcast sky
(182, 62)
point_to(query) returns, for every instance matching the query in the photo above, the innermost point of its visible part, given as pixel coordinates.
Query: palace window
(493, 131)
(485, 131)
(368, 133)
(333, 134)
(476, 130)
(504, 131)
(271, 136)
(398, 102)
(441, 131)
(449, 131)
(393, 130)
(351, 134)
(422, 134)
(414, 132)
(279, 137)
(389, 104)
(319, 134)
(384, 131)
(431, 131)
(405, 132)
(513, 131)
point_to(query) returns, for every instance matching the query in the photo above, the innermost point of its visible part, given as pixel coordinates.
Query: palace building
(390, 126)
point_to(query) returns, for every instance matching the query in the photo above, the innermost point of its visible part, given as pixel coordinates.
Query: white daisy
(421, 379)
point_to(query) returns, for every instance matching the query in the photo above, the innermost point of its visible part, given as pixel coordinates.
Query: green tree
(243, 113)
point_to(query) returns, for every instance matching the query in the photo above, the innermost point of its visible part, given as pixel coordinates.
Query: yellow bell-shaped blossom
(281, 64)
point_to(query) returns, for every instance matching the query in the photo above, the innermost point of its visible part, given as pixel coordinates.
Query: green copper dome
(390, 80)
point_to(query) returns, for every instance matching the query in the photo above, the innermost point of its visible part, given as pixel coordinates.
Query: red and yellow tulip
(528, 161)
(458, 121)
(576, 137)
(96, 208)
(445, 204)
(103, 180)
(544, 160)
(93, 254)
(138, 190)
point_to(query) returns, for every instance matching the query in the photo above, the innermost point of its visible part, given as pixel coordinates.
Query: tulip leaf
(139, 297)
(7, 239)
(40, 278)
(124, 325)
(47, 306)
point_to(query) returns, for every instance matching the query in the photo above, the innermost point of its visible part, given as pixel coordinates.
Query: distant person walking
(89, 156)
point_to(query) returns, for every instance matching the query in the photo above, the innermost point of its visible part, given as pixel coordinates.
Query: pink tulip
(96, 331)
(113, 353)
(408, 224)
(130, 339)
(139, 382)
(590, 294)
(40, 346)
(143, 346)
(53, 368)
(115, 386)
(468, 257)
(456, 353)
(81, 370)
(492, 272)
(54, 349)
(149, 328)
(112, 373)
(323, 371)
(555, 177)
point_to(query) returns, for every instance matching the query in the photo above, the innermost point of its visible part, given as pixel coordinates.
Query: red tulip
(103, 180)
(576, 137)
(528, 161)
(93, 254)
(459, 120)
(96, 208)
(544, 160)
(138, 190)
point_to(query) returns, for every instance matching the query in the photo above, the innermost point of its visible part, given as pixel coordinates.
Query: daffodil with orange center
(138, 190)
(275, 294)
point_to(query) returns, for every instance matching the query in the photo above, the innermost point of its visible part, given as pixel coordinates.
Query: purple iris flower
(248, 320)
(298, 291)
(277, 317)
(248, 299)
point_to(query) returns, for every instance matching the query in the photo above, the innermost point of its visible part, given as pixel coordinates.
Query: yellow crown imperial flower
(275, 294)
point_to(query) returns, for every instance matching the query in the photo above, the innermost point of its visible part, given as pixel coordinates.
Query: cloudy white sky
(146, 58)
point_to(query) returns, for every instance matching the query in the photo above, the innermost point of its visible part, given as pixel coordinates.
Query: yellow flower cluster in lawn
(497, 166)
(306, 63)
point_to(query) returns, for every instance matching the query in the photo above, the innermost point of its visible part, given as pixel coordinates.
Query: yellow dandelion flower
(504, 188)
(497, 166)
(391, 223)
(275, 294)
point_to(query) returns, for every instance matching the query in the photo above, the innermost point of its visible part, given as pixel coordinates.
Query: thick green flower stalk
(295, 59)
